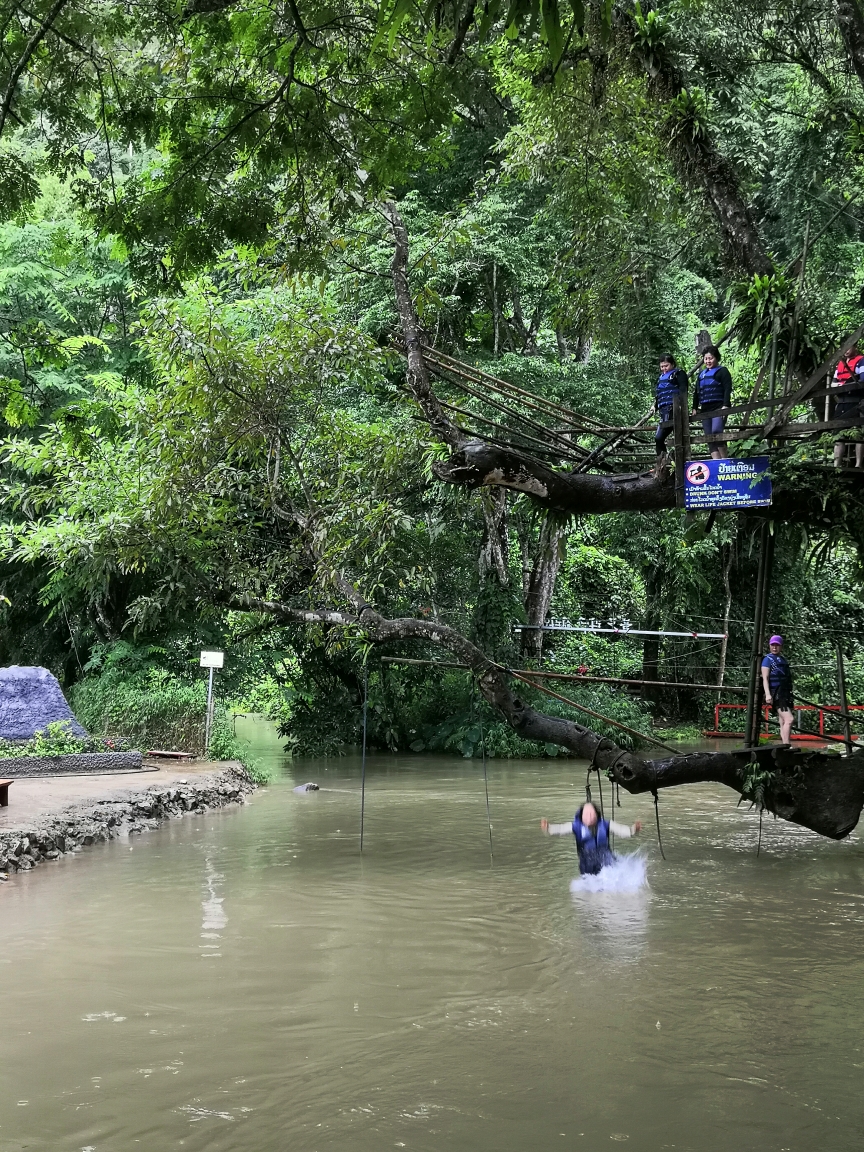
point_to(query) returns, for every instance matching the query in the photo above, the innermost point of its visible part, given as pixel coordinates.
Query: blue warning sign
(727, 483)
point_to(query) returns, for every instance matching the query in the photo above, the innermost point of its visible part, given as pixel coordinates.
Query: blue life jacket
(592, 845)
(711, 390)
(779, 672)
(667, 389)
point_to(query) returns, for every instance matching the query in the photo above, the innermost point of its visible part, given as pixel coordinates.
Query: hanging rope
(485, 776)
(759, 841)
(657, 815)
(600, 790)
(72, 637)
(363, 758)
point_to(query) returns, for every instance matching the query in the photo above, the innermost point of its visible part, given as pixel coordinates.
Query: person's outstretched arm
(556, 829)
(625, 831)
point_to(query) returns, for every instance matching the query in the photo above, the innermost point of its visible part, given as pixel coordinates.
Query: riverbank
(50, 816)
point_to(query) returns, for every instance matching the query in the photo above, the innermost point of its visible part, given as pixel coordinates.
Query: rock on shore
(80, 825)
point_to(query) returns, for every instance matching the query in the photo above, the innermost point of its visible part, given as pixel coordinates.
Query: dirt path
(49, 816)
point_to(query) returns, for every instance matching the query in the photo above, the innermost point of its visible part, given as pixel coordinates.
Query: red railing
(766, 713)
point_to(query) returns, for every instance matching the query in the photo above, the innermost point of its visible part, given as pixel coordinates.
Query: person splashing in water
(592, 837)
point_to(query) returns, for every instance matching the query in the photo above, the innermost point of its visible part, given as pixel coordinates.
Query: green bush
(58, 739)
(129, 696)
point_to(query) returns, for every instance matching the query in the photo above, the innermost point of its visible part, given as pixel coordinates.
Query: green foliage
(195, 379)
(58, 739)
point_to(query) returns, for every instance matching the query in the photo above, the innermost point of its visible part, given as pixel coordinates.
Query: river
(244, 980)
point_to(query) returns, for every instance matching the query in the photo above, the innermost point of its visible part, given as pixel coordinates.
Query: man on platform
(777, 682)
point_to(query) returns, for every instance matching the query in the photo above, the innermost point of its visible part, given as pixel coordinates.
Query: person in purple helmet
(777, 682)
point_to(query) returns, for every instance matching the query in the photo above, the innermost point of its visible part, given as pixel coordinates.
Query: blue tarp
(30, 699)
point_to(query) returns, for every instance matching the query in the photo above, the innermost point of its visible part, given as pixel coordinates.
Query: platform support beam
(760, 614)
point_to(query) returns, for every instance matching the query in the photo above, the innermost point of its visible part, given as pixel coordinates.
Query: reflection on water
(416, 997)
(213, 918)
(613, 908)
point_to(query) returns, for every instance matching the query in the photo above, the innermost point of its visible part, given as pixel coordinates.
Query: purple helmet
(776, 640)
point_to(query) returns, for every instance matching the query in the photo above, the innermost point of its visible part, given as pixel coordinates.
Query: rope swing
(657, 816)
(485, 775)
(363, 758)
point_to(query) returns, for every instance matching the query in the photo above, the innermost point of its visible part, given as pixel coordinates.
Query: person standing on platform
(777, 682)
(713, 391)
(672, 382)
(849, 403)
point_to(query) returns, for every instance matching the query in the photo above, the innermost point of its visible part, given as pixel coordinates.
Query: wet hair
(596, 808)
(668, 358)
(714, 350)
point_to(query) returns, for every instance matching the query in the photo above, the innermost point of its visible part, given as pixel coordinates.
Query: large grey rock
(30, 700)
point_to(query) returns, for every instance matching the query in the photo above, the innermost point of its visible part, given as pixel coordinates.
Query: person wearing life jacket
(713, 391)
(777, 684)
(849, 403)
(592, 837)
(671, 382)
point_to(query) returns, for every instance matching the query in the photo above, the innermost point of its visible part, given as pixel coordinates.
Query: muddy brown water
(245, 981)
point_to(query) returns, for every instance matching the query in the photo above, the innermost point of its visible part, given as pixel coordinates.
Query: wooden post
(681, 433)
(763, 587)
(844, 704)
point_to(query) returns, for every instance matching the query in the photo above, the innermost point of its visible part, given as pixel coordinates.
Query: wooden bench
(4, 792)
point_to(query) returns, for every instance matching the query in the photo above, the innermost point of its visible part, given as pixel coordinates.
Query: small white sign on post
(211, 660)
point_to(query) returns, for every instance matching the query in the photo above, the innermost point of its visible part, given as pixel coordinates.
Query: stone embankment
(83, 824)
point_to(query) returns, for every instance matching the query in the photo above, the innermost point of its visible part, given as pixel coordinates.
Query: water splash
(627, 874)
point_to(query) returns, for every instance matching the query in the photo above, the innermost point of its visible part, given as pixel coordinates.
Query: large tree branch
(417, 376)
(831, 503)
(820, 791)
(478, 464)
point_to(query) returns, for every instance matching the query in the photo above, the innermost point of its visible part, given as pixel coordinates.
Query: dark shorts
(712, 424)
(782, 700)
(849, 408)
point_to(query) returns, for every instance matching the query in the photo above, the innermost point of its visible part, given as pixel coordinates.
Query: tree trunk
(417, 376)
(541, 586)
(694, 152)
(850, 21)
(495, 549)
(476, 465)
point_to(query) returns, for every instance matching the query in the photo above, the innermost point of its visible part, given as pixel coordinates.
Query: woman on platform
(671, 382)
(713, 391)
(777, 683)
